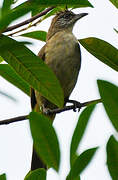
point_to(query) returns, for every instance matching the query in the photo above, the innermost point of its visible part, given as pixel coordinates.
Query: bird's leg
(76, 104)
(45, 110)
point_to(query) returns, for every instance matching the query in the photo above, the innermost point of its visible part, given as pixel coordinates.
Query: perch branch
(58, 110)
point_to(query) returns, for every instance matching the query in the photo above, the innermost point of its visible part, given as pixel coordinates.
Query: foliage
(36, 174)
(22, 70)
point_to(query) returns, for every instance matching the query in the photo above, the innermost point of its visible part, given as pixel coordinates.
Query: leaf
(102, 50)
(39, 35)
(1, 59)
(6, 6)
(109, 95)
(32, 69)
(78, 3)
(10, 75)
(37, 10)
(11, 15)
(80, 164)
(112, 157)
(114, 2)
(3, 177)
(116, 30)
(45, 139)
(38, 174)
(79, 131)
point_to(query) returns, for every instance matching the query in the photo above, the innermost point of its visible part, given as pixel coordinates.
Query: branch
(29, 20)
(24, 29)
(11, 120)
(76, 105)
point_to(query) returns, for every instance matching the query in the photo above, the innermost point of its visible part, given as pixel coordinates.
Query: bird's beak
(79, 16)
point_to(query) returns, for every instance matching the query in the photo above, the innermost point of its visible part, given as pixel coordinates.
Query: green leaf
(45, 139)
(115, 30)
(3, 177)
(114, 2)
(80, 164)
(32, 69)
(79, 131)
(38, 174)
(109, 95)
(6, 6)
(10, 75)
(12, 15)
(37, 10)
(112, 157)
(77, 3)
(1, 59)
(102, 50)
(39, 35)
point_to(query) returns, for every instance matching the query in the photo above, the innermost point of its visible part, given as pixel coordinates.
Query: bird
(62, 54)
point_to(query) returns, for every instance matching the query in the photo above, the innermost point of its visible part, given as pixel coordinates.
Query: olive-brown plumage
(62, 54)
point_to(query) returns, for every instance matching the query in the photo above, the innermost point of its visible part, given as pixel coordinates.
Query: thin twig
(11, 120)
(58, 110)
(24, 29)
(29, 20)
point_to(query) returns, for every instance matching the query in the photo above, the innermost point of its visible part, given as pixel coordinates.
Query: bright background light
(15, 139)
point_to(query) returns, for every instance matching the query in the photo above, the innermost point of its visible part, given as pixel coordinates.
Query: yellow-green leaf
(102, 50)
(45, 139)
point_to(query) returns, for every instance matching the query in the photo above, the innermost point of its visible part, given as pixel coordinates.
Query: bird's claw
(46, 111)
(76, 105)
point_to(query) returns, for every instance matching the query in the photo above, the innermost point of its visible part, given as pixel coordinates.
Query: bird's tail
(36, 160)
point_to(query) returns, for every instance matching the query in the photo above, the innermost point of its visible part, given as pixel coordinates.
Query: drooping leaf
(45, 139)
(10, 75)
(38, 174)
(3, 177)
(79, 131)
(12, 15)
(81, 163)
(6, 6)
(39, 35)
(37, 10)
(65, 2)
(114, 2)
(109, 95)
(102, 50)
(116, 30)
(32, 69)
(112, 157)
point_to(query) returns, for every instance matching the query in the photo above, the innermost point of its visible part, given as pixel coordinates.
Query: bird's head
(64, 20)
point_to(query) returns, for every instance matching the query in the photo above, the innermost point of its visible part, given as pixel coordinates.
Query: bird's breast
(62, 55)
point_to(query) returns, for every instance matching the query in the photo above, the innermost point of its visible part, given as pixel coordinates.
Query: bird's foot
(46, 111)
(76, 105)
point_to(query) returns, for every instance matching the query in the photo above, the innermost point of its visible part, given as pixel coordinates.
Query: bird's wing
(41, 54)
